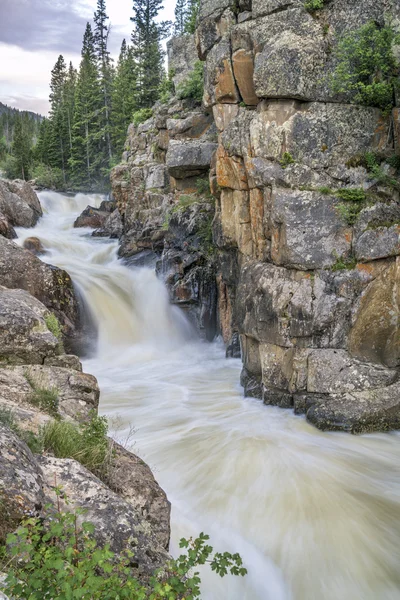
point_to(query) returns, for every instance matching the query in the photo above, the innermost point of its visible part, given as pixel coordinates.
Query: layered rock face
(313, 293)
(163, 198)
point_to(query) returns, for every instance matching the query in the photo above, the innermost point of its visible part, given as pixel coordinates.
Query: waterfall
(315, 516)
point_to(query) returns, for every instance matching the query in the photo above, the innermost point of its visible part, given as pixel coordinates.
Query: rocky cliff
(305, 248)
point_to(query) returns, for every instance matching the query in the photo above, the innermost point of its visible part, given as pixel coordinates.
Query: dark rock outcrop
(20, 269)
(92, 217)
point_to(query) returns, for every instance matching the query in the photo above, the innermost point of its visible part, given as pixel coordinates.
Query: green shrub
(373, 165)
(342, 264)
(349, 211)
(167, 88)
(141, 115)
(193, 86)
(10, 167)
(48, 177)
(367, 67)
(203, 187)
(87, 443)
(53, 325)
(313, 5)
(286, 160)
(325, 190)
(62, 560)
(351, 194)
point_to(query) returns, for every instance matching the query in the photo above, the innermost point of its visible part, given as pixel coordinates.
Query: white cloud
(34, 32)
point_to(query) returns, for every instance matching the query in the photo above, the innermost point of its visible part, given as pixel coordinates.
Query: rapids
(315, 516)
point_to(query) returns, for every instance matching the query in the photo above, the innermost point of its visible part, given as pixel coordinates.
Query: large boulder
(92, 217)
(189, 158)
(133, 480)
(116, 521)
(24, 336)
(19, 203)
(358, 412)
(112, 227)
(77, 393)
(20, 269)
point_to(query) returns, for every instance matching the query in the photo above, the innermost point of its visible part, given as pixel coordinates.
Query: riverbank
(259, 480)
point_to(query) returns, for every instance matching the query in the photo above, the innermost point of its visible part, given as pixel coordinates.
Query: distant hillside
(4, 109)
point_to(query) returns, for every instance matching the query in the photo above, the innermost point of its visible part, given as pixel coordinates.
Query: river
(315, 516)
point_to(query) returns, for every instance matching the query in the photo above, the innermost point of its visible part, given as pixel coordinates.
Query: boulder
(24, 336)
(116, 521)
(375, 335)
(186, 159)
(91, 217)
(133, 480)
(296, 241)
(6, 229)
(112, 228)
(358, 412)
(52, 286)
(19, 203)
(34, 245)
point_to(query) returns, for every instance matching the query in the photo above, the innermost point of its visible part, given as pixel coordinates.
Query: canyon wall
(304, 262)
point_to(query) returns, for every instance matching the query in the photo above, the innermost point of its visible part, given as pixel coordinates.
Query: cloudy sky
(34, 32)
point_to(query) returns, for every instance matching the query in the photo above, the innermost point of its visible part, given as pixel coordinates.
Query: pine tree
(181, 16)
(84, 161)
(69, 98)
(21, 147)
(101, 33)
(58, 135)
(148, 54)
(191, 16)
(124, 101)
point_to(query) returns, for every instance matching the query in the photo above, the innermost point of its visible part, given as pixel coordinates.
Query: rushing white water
(315, 516)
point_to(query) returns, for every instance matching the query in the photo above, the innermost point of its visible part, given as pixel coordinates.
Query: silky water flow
(315, 516)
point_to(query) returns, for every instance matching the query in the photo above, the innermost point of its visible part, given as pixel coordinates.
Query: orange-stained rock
(375, 335)
(258, 223)
(230, 171)
(243, 68)
(225, 89)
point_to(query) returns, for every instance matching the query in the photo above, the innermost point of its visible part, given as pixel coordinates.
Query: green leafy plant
(367, 67)
(193, 86)
(141, 115)
(343, 264)
(351, 194)
(314, 5)
(286, 160)
(62, 560)
(53, 325)
(48, 177)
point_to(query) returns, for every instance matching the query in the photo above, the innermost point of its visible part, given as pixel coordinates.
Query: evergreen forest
(92, 104)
